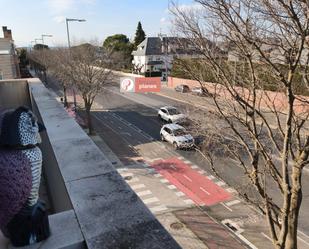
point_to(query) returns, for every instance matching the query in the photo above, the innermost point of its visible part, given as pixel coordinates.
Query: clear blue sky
(29, 19)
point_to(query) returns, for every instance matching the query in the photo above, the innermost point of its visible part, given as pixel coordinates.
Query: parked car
(197, 90)
(182, 88)
(177, 136)
(171, 115)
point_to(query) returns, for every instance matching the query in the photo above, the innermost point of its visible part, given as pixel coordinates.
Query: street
(173, 183)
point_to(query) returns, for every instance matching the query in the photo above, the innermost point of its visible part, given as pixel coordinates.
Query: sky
(30, 19)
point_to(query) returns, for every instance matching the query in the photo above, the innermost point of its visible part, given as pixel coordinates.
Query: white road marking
(143, 193)
(220, 183)
(189, 201)
(188, 178)
(267, 237)
(119, 127)
(302, 240)
(180, 194)
(231, 190)
(211, 177)
(303, 234)
(151, 200)
(135, 179)
(231, 203)
(202, 172)
(138, 186)
(164, 180)
(181, 158)
(171, 187)
(194, 167)
(226, 207)
(158, 209)
(157, 175)
(187, 162)
(204, 191)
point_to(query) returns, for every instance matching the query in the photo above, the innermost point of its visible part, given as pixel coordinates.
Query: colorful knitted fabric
(18, 128)
(15, 182)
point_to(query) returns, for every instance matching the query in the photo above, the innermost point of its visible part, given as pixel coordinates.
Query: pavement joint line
(151, 200)
(158, 208)
(188, 178)
(171, 186)
(194, 167)
(231, 203)
(143, 193)
(138, 186)
(179, 194)
(205, 191)
(220, 183)
(228, 208)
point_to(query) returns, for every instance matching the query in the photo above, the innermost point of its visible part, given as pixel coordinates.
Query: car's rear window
(173, 111)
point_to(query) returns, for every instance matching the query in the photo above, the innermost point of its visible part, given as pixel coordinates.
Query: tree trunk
(89, 120)
(65, 100)
(296, 199)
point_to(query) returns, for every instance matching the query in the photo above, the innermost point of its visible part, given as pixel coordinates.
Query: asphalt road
(141, 111)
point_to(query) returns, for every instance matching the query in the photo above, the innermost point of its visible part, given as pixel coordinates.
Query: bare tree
(268, 43)
(89, 74)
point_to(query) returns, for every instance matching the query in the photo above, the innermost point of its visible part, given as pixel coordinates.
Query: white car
(177, 136)
(171, 115)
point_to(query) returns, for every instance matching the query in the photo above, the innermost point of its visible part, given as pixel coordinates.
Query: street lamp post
(67, 20)
(45, 36)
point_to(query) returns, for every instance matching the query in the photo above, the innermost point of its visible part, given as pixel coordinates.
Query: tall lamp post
(67, 20)
(45, 36)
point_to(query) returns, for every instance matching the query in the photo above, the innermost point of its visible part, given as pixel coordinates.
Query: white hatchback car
(177, 136)
(171, 114)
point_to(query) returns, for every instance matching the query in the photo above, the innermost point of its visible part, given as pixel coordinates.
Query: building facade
(9, 68)
(156, 54)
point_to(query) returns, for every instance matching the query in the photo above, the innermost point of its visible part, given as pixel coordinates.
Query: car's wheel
(162, 138)
(170, 121)
(175, 146)
(159, 116)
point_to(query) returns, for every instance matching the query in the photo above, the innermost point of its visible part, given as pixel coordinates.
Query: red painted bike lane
(196, 186)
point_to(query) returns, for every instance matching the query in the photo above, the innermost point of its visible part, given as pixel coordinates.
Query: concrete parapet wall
(108, 213)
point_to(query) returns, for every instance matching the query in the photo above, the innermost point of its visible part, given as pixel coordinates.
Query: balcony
(91, 206)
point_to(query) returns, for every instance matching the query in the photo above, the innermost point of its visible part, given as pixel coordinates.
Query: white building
(156, 54)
